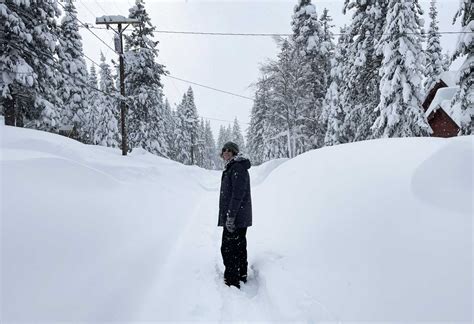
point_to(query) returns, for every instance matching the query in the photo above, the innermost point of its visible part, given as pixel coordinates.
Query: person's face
(227, 154)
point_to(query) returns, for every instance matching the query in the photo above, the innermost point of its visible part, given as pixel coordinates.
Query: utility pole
(119, 21)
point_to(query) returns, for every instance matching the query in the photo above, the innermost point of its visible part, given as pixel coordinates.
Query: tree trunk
(9, 105)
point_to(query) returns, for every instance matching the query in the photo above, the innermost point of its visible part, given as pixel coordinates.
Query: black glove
(230, 224)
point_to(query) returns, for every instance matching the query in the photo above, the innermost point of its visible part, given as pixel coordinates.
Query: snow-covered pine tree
(334, 111)
(210, 156)
(220, 138)
(256, 139)
(400, 112)
(173, 133)
(228, 134)
(199, 147)
(157, 141)
(237, 136)
(361, 94)
(143, 85)
(106, 114)
(182, 141)
(311, 87)
(170, 125)
(28, 82)
(464, 98)
(73, 84)
(434, 55)
(289, 133)
(192, 123)
(92, 103)
(17, 73)
(327, 44)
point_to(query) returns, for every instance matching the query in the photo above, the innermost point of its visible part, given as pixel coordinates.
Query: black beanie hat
(231, 147)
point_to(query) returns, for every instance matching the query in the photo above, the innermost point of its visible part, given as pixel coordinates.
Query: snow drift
(370, 231)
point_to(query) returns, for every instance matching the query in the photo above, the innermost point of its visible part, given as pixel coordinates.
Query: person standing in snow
(235, 214)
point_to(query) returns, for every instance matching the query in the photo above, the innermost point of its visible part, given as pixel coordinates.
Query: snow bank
(372, 231)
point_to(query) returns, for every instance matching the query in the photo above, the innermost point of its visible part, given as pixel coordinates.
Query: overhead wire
(264, 34)
(60, 70)
(87, 8)
(101, 8)
(208, 87)
(86, 26)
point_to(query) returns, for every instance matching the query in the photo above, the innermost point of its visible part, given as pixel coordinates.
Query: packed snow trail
(371, 231)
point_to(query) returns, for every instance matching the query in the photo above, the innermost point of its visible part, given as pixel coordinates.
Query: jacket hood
(240, 158)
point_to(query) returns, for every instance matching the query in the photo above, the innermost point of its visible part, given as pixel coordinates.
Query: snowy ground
(371, 231)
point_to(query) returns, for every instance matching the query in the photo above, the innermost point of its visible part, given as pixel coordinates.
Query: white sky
(225, 62)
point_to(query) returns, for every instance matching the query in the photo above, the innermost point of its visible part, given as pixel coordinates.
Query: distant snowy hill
(370, 231)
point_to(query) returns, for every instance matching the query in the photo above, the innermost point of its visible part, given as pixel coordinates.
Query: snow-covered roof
(443, 99)
(450, 78)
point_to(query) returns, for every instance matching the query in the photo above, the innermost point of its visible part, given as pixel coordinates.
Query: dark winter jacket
(235, 199)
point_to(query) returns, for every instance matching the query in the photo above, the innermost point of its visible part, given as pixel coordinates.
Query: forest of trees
(317, 92)
(370, 84)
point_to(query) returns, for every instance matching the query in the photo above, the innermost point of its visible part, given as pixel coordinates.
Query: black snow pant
(234, 255)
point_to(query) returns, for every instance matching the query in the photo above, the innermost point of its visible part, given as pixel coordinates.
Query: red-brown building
(441, 115)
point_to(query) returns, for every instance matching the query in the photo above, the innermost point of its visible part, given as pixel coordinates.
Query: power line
(169, 76)
(271, 34)
(87, 8)
(63, 72)
(260, 34)
(57, 68)
(208, 87)
(223, 120)
(86, 26)
(103, 10)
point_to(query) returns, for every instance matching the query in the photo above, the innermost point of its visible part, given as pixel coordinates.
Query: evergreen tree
(221, 139)
(92, 103)
(291, 112)
(173, 131)
(28, 83)
(72, 86)
(192, 123)
(182, 142)
(334, 105)
(464, 98)
(308, 39)
(237, 136)
(170, 126)
(210, 153)
(199, 146)
(106, 126)
(361, 93)
(327, 44)
(400, 113)
(434, 56)
(256, 136)
(187, 132)
(143, 85)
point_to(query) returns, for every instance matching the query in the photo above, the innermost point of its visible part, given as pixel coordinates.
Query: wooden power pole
(122, 24)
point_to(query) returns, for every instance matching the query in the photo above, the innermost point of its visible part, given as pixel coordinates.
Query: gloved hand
(230, 224)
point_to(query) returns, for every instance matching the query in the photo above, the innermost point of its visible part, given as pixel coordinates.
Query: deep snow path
(193, 275)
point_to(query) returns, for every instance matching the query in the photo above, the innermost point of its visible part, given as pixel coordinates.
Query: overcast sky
(229, 63)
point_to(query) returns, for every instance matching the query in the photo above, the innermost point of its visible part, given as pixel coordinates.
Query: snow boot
(232, 283)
